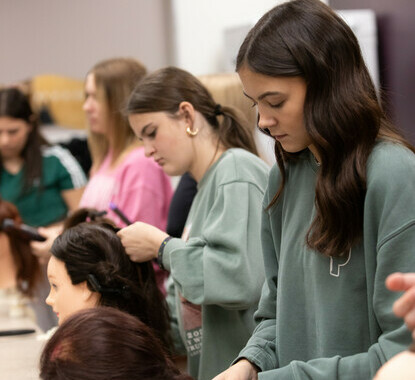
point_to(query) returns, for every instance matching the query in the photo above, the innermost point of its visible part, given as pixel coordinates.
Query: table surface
(19, 355)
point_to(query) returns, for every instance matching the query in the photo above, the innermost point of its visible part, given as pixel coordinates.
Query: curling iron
(25, 231)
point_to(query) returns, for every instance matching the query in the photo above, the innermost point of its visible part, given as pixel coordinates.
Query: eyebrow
(264, 95)
(145, 127)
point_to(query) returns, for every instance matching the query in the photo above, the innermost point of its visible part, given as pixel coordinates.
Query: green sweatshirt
(331, 318)
(217, 266)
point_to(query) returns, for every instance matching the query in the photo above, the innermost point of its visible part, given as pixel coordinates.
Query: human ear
(187, 111)
(88, 296)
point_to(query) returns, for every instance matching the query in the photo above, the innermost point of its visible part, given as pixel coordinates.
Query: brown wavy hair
(27, 266)
(165, 89)
(105, 343)
(90, 247)
(342, 115)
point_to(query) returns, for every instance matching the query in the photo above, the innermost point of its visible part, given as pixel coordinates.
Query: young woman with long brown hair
(44, 182)
(340, 205)
(216, 268)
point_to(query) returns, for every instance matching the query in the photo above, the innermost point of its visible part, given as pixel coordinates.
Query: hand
(242, 370)
(404, 307)
(141, 241)
(401, 366)
(42, 249)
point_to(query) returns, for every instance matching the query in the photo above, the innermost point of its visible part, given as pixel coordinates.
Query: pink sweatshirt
(138, 187)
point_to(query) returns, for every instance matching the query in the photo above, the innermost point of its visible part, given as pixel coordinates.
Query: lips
(279, 137)
(159, 161)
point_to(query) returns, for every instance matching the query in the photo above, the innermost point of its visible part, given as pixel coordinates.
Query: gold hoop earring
(192, 133)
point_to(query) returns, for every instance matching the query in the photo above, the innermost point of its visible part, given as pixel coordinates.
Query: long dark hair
(92, 252)
(104, 343)
(27, 265)
(165, 89)
(342, 115)
(16, 105)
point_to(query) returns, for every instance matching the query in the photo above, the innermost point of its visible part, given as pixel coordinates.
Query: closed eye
(277, 105)
(152, 134)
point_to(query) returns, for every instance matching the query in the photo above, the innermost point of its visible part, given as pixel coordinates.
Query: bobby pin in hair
(124, 291)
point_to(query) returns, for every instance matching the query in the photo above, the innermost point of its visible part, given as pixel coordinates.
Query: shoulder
(390, 162)
(57, 155)
(239, 165)
(137, 165)
(137, 159)
(61, 159)
(55, 151)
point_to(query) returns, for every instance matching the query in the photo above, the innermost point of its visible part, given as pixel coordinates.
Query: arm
(223, 265)
(72, 198)
(259, 352)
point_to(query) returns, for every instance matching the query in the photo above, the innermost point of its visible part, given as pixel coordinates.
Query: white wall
(199, 27)
(68, 36)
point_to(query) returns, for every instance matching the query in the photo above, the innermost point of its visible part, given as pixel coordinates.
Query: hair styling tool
(16, 332)
(25, 231)
(122, 216)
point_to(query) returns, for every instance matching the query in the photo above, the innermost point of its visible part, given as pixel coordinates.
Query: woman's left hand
(141, 241)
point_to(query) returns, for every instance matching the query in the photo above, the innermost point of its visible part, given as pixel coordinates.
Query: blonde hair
(226, 89)
(115, 79)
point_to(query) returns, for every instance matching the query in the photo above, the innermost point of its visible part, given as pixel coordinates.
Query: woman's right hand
(404, 307)
(242, 370)
(42, 249)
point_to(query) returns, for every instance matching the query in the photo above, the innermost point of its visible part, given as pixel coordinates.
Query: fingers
(400, 281)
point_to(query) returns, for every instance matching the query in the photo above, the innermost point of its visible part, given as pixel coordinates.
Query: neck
(314, 152)
(13, 165)
(207, 156)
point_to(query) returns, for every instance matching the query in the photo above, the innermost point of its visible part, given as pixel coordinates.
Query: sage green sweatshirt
(217, 266)
(331, 318)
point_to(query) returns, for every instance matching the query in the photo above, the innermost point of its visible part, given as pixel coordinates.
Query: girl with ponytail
(89, 268)
(216, 268)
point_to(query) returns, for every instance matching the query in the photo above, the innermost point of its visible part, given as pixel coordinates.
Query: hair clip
(124, 291)
(92, 215)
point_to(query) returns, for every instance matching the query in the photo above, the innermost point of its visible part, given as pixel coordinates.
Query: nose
(87, 105)
(148, 149)
(265, 120)
(49, 299)
(4, 139)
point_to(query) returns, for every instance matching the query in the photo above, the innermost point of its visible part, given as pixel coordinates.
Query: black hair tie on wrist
(218, 110)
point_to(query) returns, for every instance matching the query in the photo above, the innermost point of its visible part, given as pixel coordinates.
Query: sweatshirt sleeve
(224, 265)
(260, 348)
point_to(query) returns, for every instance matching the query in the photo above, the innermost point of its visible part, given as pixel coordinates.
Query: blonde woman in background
(120, 173)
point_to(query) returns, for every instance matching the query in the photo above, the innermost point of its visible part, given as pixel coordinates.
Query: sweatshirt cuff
(172, 244)
(258, 357)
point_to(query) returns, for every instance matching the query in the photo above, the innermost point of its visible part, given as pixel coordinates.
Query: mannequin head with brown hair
(106, 343)
(18, 263)
(89, 267)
